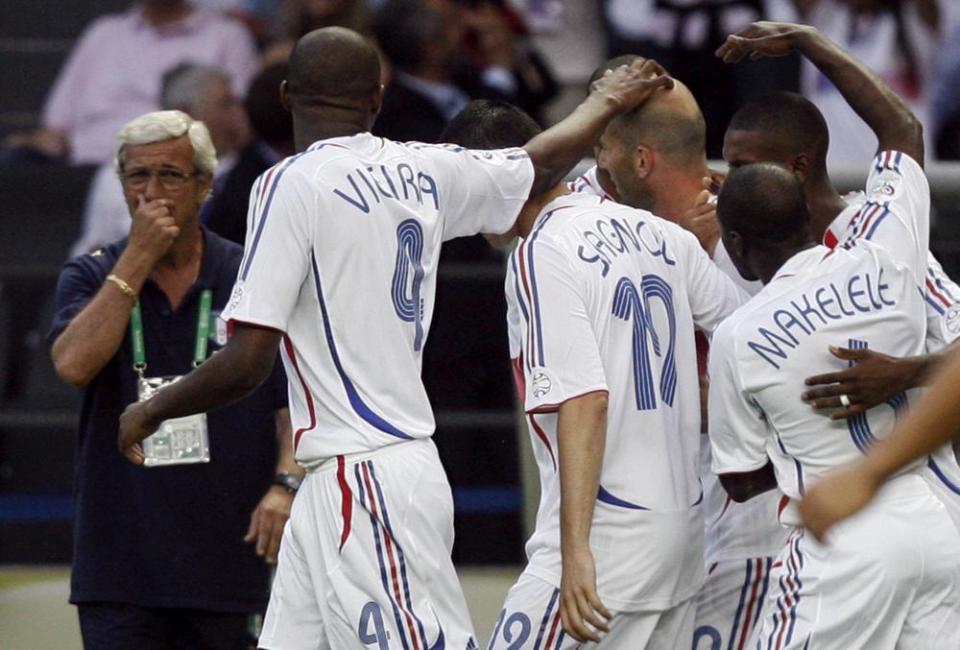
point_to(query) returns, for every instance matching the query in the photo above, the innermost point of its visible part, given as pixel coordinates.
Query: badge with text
(178, 441)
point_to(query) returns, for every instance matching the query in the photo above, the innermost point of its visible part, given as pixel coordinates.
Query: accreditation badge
(178, 441)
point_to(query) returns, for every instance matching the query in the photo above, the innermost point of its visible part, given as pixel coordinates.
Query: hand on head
(629, 86)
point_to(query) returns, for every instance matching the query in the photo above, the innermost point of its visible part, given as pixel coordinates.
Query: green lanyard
(203, 333)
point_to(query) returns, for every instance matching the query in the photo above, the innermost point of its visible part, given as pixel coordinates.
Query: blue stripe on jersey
(743, 599)
(953, 487)
(535, 299)
(938, 282)
(546, 618)
(356, 402)
(876, 223)
(383, 567)
(521, 302)
(933, 303)
(606, 497)
(403, 562)
(796, 463)
(281, 168)
(763, 592)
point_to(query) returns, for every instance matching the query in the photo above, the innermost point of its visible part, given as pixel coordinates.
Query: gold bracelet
(124, 287)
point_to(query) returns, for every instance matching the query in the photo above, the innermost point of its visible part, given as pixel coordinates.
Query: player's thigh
(118, 626)
(295, 618)
(391, 581)
(934, 617)
(729, 604)
(673, 629)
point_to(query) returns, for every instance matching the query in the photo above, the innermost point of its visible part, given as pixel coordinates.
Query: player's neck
(770, 259)
(306, 132)
(824, 204)
(677, 193)
(535, 205)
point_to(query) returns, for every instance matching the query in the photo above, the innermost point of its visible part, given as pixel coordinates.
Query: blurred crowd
(221, 60)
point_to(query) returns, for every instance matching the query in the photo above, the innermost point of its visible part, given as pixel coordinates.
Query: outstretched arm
(928, 425)
(895, 126)
(555, 151)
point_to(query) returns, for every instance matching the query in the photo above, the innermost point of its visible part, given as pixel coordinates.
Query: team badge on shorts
(541, 384)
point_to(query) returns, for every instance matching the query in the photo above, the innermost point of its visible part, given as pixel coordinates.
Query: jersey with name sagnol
(341, 256)
(608, 298)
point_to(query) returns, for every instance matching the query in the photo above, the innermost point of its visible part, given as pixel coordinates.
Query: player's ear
(800, 166)
(376, 100)
(643, 161)
(285, 95)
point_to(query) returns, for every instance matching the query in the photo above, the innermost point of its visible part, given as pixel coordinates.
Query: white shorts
(888, 578)
(728, 606)
(365, 558)
(530, 620)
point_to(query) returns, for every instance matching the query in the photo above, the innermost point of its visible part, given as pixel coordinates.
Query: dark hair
(404, 28)
(763, 202)
(268, 117)
(490, 124)
(787, 119)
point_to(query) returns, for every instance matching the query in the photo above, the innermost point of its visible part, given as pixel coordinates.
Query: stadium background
(480, 434)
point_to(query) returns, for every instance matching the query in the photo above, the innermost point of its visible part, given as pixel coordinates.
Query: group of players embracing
(692, 351)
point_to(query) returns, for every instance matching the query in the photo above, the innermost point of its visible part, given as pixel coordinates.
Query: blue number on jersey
(859, 425)
(711, 634)
(409, 251)
(634, 306)
(371, 611)
(521, 635)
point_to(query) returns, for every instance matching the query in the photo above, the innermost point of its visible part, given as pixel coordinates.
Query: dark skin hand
(873, 379)
(746, 485)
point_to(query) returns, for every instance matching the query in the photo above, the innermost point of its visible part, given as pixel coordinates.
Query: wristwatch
(289, 481)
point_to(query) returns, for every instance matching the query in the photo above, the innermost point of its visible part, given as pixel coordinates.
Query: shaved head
(335, 66)
(777, 127)
(670, 122)
(763, 202)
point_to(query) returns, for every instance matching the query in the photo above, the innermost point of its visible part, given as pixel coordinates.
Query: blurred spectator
(897, 39)
(297, 17)
(683, 36)
(114, 72)
(945, 100)
(226, 212)
(443, 54)
(205, 94)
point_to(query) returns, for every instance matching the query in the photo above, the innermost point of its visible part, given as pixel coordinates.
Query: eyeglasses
(170, 179)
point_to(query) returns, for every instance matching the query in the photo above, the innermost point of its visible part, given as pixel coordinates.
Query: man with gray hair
(204, 93)
(159, 553)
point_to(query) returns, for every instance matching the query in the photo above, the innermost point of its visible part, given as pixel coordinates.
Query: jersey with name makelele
(895, 178)
(608, 298)
(855, 297)
(342, 250)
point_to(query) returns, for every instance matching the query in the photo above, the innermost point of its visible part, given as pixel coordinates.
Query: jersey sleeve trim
(553, 407)
(265, 190)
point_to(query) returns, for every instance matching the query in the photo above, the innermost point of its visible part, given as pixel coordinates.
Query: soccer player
(340, 267)
(762, 435)
(787, 129)
(656, 156)
(617, 553)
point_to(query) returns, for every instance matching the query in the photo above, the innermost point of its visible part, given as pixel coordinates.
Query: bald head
(669, 122)
(334, 66)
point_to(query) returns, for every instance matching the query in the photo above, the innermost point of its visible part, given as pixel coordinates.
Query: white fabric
(380, 577)
(587, 183)
(530, 620)
(889, 577)
(342, 251)
(584, 258)
(761, 355)
(729, 604)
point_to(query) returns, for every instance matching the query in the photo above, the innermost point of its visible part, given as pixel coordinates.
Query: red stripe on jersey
(784, 502)
(703, 351)
(516, 364)
(388, 540)
(346, 502)
(931, 287)
(829, 239)
(553, 629)
(531, 326)
(292, 355)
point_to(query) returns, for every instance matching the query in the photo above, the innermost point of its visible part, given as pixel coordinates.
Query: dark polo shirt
(168, 536)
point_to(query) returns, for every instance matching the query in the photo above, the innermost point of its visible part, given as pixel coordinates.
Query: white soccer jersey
(588, 184)
(593, 280)
(856, 297)
(355, 324)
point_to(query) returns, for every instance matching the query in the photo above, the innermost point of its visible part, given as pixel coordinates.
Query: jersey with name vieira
(341, 256)
(608, 298)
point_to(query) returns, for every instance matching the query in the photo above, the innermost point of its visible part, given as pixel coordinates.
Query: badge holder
(178, 441)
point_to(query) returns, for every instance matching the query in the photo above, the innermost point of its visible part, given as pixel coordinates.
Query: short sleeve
(481, 191)
(738, 429)
(713, 295)
(79, 282)
(560, 352)
(276, 259)
(896, 214)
